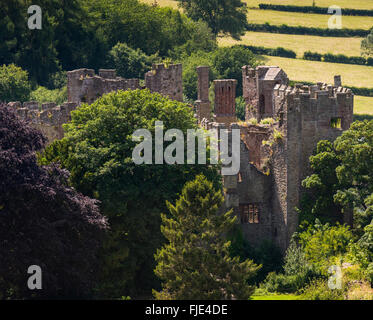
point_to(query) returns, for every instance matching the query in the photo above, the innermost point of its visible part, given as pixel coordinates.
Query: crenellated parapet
(47, 117)
(166, 80)
(83, 86)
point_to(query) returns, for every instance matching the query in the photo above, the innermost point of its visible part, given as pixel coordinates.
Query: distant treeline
(318, 10)
(266, 27)
(279, 51)
(337, 58)
(366, 92)
(308, 55)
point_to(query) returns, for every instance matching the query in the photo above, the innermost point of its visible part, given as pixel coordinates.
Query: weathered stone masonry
(274, 156)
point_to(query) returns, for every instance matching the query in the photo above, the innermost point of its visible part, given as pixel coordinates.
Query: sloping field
(351, 4)
(363, 105)
(298, 43)
(162, 3)
(306, 19)
(315, 71)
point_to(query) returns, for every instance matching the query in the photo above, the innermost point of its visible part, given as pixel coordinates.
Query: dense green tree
(367, 44)
(226, 16)
(195, 263)
(190, 77)
(342, 178)
(97, 150)
(43, 221)
(228, 63)
(14, 84)
(149, 28)
(130, 63)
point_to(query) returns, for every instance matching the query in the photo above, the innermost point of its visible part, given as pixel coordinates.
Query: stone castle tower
(274, 153)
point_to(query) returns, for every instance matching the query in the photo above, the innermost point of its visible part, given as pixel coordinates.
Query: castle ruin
(282, 127)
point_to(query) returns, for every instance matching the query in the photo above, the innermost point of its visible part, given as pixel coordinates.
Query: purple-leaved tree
(43, 221)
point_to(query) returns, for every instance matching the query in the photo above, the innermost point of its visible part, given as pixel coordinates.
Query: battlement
(48, 118)
(313, 92)
(167, 81)
(83, 86)
(47, 114)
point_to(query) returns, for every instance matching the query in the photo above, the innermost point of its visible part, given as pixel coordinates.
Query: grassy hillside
(306, 19)
(298, 43)
(363, 105)
(314, 71)
(354, 4)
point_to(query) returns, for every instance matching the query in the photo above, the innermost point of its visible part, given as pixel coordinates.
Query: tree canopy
(226, 16)
(342, 176)
(97, 150)
(196, 264)
(43, 221)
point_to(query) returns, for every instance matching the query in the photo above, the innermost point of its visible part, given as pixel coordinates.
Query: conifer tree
(195, 263)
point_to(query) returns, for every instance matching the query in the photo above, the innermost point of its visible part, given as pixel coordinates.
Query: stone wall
(258, 85)
(48, 118)
(203, 105)
(167, 81)
(225, 101)
(83, 86)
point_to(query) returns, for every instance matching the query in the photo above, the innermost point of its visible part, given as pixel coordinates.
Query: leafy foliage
(130, 63)
(97, 149)
(321, 242)
(226, 16)
(42, 221)
(367, 44)
(14, 84)
(42, 94)
(342, 180)
(195, 263)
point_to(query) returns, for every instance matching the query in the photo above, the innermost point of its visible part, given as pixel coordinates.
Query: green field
(306, 19)
(315, 71)
(298, 43)
(303, 70)
(353, 4)
(363, 105)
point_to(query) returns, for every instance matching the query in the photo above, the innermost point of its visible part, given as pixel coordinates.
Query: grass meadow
(306, 19)
(298, 43)
(303, 70)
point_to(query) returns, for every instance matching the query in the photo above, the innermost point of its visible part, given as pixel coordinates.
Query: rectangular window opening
(249, 213)
(336, 123)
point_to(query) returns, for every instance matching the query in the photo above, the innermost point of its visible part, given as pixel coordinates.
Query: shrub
(314, 56)
(240, 108)
(42, 94)
(321, 242)
(14, 84)
(267, 121)
(319, 290)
